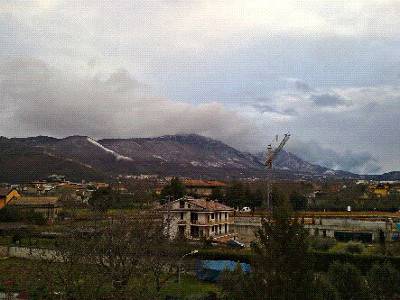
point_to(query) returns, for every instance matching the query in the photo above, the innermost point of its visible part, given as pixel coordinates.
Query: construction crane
(271, 155)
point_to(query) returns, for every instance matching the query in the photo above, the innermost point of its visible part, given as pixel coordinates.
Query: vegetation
(102, 199)
(348, 281)
(174, 190)
(33, 279)
(354, 247)
(14, 214)
(321, 243)
(240, 195)
(383, 280)
(298, 201)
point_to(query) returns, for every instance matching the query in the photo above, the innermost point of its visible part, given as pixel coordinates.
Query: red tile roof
(209, 205)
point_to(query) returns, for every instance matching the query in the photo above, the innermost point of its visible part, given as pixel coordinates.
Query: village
(210, 208)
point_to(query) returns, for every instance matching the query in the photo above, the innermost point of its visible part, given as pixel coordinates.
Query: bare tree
(127, 255)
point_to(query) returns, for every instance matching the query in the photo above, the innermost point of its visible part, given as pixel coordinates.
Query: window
(212, 216)
(226, 216)
(181, 204)
(226, 228)
(181, 215)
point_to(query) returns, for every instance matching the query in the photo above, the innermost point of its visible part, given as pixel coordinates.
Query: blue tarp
(209, 270)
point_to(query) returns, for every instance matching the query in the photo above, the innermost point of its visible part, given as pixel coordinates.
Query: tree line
(281, 268)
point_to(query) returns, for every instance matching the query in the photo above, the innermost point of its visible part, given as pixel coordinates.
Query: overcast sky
(238, 71)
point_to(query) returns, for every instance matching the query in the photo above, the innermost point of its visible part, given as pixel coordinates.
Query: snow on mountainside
(187, 155)
(115, 154)
(191, 150)
(289, 161)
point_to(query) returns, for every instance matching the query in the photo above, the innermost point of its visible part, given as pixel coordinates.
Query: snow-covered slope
(115, 154)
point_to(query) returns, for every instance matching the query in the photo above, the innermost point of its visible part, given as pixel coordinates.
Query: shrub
(348, 281)
(35, 218)
(383, 279)
(322, 244)
(324, 290)
(354, 247)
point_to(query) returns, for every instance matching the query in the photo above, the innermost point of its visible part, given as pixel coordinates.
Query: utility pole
(270, 156)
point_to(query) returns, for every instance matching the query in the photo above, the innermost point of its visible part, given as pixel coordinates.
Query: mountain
(288, 161)
(81, 157)
(390, 176)
(24, 162)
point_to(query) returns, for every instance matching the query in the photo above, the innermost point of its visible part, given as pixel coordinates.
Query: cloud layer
(40, 99)
(240, 71)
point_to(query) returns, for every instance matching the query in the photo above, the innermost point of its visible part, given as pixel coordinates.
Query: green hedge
(320, 260)
(225, 254)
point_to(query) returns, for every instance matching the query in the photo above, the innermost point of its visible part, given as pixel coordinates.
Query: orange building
(6, 195)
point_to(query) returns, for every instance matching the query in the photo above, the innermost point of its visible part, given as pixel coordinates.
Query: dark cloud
(331, 100)
(356, 162)
(302, 86)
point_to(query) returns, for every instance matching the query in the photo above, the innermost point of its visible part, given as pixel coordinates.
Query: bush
(322, 244)
(324, 290)
(354, 248)
(35, 218)
(235, 284)
(321, 260)
(383, 279)
(348, 281)
(9, 214)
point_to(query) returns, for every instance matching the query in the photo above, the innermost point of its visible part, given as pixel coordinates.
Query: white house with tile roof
(196, 218)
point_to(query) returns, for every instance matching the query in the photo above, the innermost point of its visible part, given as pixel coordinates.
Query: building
(7, 195)
(202, 188)
(49, 207)
(197, 218)
(380, 190)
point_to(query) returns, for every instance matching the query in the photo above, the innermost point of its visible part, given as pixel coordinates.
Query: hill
(81, 157)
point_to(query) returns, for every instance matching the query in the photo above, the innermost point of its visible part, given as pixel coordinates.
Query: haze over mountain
(81, 157)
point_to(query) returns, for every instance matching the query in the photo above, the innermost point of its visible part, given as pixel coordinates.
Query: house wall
(13, 194)
(178, 219)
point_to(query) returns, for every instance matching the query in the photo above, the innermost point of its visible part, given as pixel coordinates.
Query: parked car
(246, 209)
(235, 244)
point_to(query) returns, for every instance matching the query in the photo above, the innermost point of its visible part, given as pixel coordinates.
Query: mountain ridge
(188, 155)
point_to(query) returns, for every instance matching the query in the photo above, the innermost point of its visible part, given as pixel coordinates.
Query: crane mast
(271, 154)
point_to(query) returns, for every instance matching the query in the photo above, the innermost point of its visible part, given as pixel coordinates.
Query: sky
(328, 72)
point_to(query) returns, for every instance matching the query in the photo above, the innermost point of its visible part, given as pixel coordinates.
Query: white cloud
(41, 99)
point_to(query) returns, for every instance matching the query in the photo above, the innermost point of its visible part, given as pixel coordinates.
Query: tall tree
(235, 194)
(174, 190)
(102, 199)
(298, 201)
(281, 268)
(217, 194)
(348, 281)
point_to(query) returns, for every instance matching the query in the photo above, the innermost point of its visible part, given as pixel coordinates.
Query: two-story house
(196, 218)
